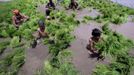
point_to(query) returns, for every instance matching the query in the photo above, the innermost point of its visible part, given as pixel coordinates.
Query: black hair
(48, 12)
(41, 23)
(51, 1)
(96, 32)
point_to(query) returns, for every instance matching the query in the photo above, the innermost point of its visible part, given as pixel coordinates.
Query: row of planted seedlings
(14, 42)
(117, 47)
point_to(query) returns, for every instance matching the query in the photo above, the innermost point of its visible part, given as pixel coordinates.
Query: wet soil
(4, 0)
(34, 60)
(81, 59)
(83, 63)
(127, 29)
(7, 50)
(84, 12)
(128, 3)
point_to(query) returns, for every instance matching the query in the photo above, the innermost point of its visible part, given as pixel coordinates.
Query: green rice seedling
(65, 66)
(3, 46)
(104, 70)
(115, 43)
(14, 42)
(113, 12)
(117, 46)
(11, 63)
(123, 64)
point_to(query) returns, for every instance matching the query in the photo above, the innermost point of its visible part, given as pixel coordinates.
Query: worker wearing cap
(18, 18)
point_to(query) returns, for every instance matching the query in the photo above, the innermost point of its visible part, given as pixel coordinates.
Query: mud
(128, 3)
(7, 50)
(84, 12)
(127, 29)
(87, 12)
(81, 59)
(4, 0)
(34, 60)
(83, 63)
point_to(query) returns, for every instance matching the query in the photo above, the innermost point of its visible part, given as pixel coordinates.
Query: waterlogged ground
(81, 60)
(34, 60)
(127, 29)
(129, 3)
(84, 64)
(4, 0)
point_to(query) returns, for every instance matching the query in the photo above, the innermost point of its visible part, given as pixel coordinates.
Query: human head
(50, 1)
(96, 33)
(16, 12)
(41, 24)
(72, 0)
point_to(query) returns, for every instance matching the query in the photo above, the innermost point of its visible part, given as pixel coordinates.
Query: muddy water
(81, 60)
(84, 12)
(7, 50)
(4, 0)
(84, 31)
(42, 8)
(87, 12)
(128, 3)
(34, 60)
(83, 63)
(127, 29)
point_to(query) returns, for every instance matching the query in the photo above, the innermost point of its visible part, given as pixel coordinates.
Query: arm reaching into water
(91, 47)
(25, 18)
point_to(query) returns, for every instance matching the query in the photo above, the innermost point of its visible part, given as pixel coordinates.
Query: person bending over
(49, 7)
(96, 37)
(18, 18)
(40, 33)
(73, 5)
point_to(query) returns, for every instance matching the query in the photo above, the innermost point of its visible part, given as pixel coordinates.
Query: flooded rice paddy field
(85, 65)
